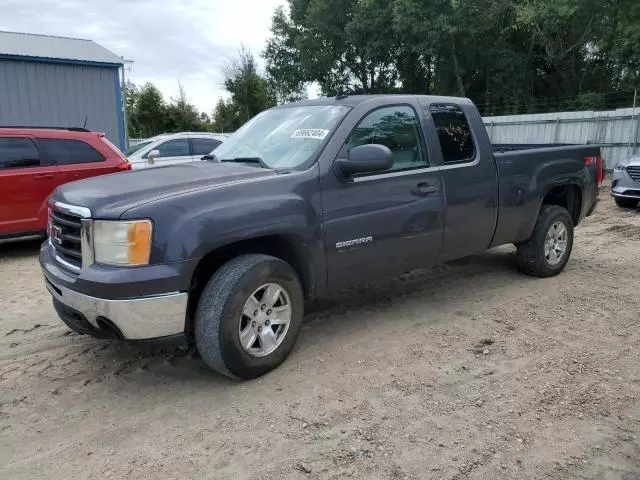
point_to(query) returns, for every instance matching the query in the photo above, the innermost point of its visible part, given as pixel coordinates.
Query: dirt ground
(469, 370)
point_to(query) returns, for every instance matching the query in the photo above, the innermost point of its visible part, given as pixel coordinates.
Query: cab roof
(353, 100)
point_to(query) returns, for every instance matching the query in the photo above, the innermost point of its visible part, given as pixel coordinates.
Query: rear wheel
(626, 202)
(548, 250)
(249, 316)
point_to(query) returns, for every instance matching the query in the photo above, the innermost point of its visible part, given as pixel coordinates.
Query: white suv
(173, 148)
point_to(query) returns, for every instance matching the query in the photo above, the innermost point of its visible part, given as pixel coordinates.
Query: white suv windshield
(134, 148)
(283, 138)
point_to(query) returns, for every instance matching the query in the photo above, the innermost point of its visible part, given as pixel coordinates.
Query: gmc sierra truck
(305, 198)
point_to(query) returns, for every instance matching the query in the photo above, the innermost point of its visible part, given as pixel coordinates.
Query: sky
(169, 41)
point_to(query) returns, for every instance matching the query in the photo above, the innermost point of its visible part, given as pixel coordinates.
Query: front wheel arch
(285, 248)
(221, 311)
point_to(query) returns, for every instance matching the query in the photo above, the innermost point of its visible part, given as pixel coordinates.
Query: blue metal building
(60, 82)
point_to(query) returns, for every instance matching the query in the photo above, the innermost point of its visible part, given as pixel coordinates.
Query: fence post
(555, 135)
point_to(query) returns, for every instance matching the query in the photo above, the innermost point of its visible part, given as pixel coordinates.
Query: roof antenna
(86, 117)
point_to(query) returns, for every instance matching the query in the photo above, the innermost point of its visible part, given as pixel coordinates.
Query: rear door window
(69, 152)
(174, 148)
(16, 152)
(204, 146)
(456, 140)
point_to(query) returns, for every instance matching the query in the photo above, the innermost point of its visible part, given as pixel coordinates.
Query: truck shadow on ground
(483, 273)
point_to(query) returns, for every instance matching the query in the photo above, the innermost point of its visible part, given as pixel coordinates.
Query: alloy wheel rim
(555, 243)
(265, 320)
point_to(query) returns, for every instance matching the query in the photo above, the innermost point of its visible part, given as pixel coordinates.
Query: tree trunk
(429, 74)
(527, 78)
(372, 74)
(363, 77)
(456, 69)
(487, 96)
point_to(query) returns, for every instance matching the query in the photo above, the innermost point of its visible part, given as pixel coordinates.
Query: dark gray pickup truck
(307, 197)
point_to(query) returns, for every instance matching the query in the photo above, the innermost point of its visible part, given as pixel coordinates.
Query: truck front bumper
(159, 317)
(130, 319)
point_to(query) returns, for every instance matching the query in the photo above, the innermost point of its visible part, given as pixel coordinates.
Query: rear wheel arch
(567, 196)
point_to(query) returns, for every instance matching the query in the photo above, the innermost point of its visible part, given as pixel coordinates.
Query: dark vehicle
(305, 198)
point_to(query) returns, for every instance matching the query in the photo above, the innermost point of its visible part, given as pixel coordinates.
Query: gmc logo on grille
(56, 234)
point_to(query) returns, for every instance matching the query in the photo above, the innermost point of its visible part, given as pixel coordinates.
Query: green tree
(181, 115)
(149, 112)
(249, 93)
(249, 90)
(225, 117)
(283, 63)
(131, 94)
(509, 56)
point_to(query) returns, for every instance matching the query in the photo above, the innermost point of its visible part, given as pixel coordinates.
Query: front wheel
(626, 202)
(548, 250)
(249, 316)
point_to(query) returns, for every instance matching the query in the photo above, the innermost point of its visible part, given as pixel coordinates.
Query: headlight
(122, 243)
(620, 166)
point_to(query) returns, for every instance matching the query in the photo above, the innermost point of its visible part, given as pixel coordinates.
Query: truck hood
(109, 196)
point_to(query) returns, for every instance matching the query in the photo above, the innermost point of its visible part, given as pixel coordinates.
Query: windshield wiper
(251, 160)
(256, 160)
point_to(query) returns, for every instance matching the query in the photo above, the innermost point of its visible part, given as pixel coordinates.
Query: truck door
(470, 180)
(383, 223)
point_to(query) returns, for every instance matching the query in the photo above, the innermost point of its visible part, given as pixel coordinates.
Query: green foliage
(225, 116)
(284, 74)
(148, 114)
(250, 93)
(182, 116)
(510, 56)
(149, 111)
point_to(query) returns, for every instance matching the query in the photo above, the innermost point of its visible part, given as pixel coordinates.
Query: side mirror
(207, 157)
(366, 159)
(152, 155)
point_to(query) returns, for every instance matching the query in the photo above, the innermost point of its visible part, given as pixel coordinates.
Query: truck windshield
(284, 138)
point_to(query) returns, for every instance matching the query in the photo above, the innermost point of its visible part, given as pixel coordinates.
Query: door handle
(424, 189)
(44, 175)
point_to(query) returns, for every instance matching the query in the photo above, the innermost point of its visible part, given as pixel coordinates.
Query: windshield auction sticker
(317, 133)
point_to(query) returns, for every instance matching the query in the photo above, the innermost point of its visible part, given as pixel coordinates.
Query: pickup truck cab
(303, 199)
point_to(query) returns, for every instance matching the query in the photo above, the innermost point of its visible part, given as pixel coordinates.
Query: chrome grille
(65, 235)
(634, 172)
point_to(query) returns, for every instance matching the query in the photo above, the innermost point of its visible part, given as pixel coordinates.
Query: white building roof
(14, 44)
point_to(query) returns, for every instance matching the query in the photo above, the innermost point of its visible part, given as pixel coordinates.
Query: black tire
(530, 255)
(626, 202)
(220, 308)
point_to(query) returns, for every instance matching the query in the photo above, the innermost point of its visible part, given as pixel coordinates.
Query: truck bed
(524, 171)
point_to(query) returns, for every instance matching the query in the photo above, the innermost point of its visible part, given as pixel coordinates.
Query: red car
(34, 161)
